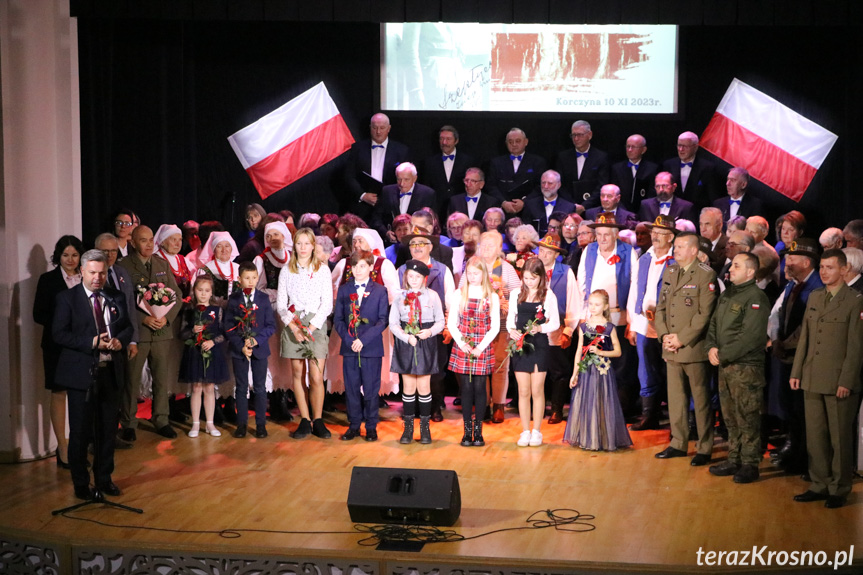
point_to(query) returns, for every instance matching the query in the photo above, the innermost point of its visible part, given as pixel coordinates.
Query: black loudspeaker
(395, 495)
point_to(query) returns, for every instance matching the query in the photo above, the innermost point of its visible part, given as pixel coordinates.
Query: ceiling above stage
(682, 12)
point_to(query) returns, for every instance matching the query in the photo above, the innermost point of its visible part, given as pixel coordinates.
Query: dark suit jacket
(387, 207)
(594, 174)
(359, 161)
(433, 175)
(679, 209)
(374, 308)
(264, 328)
(633, 192)
(717, 255)
(159, 272)
(621, 215)
(459, 204)
(501, 179)
(534, 211)
(702, 187)
(74, 329)
(749, 206)
(128, 289)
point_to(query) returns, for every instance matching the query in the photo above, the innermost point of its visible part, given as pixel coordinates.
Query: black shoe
(120, 444)
(261, 432)
(425, 431)
(109, 488)
(351, 433)
(670, 452)
(810, 495)
(382, 403)
(700, 459)
(724, 469)
(303, 430)
(436, 415)
(478, 441)
(646, 421)
(60, 463)
(747, 474)
(834, 502)
(555, 417)
(84, 492)
(167, 431)
(128, 434)
(408, 434)
(371, 435)
(241, 431)
(320, 430)
(456, 401)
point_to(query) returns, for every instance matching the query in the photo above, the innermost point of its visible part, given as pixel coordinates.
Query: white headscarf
(373, 238)
(208, 253)
(164, 232)
(280, 227)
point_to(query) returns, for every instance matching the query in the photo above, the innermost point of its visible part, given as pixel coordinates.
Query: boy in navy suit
(360, 317)
(249, 323)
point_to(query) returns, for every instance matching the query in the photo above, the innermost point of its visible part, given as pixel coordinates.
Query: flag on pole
(776, 144)
(292, 141)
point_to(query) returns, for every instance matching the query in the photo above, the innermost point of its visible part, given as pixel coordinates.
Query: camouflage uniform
(738, 329)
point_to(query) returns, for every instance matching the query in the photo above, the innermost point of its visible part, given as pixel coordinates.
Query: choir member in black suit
(710, 228)
(740, 202)
(377, 157)
(538, 209)
(518, 169)
(699, 183)
(635, 176)
(444, 172)
(404, 197)
(666, 201)
(609, 197)
(584, 169)
(473, 202)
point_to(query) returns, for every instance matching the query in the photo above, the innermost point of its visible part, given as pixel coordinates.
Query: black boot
(285, 407)
(408, 434)
(478, 441)
(649, 417)
(467, 440)
(425, 430)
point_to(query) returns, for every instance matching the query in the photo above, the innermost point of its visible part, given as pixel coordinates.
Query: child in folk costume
(204, 363)
(595, 416)
(304, 303)
(532, 315)
(220, 252)
(416, 316)
(474, 322)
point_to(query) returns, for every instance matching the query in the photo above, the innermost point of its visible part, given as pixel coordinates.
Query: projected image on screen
(529, 68)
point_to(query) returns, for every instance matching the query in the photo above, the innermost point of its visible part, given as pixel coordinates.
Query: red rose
(354, 297)
(164, 299)
(540, 315)
(600, 329)
(412, 296)
(201, 308)
(291, 309)
(247, 291)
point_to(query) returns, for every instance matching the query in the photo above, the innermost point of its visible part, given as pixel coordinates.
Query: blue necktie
(511, 157)
(664, 205)
(473, 199)
(684, 164)
(404, 194)
(580, 154)
(450, 157)
(631, 165)
(377, 146)
(551, 203)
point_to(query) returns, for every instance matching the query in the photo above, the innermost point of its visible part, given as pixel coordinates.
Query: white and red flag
(292, 141)
(776, 144)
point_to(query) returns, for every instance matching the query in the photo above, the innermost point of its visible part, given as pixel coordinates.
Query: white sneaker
(214, 432)
(535, 438)
(523, 439)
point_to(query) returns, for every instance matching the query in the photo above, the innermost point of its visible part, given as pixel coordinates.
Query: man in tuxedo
(445, 172)
(584, 169)
(404, 197)
(696, 174)
(666, 202)
(370, 161)
(538, 209)
(635, 176)
(609, 197)
(738, 202)
(91, 325)
(473, 202)
(516, 170)
(710, 227)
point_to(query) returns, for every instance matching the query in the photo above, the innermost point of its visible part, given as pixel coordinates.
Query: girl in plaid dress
(473, 322)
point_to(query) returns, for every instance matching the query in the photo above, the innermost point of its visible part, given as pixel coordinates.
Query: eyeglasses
(582, 234)
(470, 181)
(578, 134)
(109, 252)
(553, 227)
(123, 224)
(570, 227)
(418, 244)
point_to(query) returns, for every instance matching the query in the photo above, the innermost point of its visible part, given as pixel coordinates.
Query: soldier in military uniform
(686, 302)
(827, 367)
(735, 342)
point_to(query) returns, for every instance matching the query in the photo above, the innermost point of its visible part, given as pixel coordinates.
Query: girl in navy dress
(204, 363)
(595, 417)
(532, 316)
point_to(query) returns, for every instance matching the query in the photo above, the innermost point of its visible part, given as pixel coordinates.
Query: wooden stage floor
(650, 515)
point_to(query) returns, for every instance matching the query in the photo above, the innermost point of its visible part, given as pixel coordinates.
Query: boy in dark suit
(360, 317)
(249, 323)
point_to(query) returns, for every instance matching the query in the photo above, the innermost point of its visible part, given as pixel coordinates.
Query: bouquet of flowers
(517, 259)
(415, 317)
(355, 319)
(587, 358)
(156, 299)
(199, 338)
(518, 345)
(306, 344)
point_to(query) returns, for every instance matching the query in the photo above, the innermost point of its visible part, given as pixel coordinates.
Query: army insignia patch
(690, 286)
(712, 287)
(688, 302)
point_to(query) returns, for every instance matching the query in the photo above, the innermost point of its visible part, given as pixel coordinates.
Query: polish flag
(292, 141)
(774, 143)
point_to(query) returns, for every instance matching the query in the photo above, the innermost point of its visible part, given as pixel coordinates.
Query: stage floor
(649, 515)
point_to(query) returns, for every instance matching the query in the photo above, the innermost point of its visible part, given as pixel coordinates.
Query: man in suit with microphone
(91, 325)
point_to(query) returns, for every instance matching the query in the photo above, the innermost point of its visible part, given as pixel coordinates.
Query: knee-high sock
(409, 405)
(425, 402)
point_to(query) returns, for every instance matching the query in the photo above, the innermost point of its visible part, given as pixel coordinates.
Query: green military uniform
(152, 346)
(829, 355)
(686, 302)
(738, 329)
